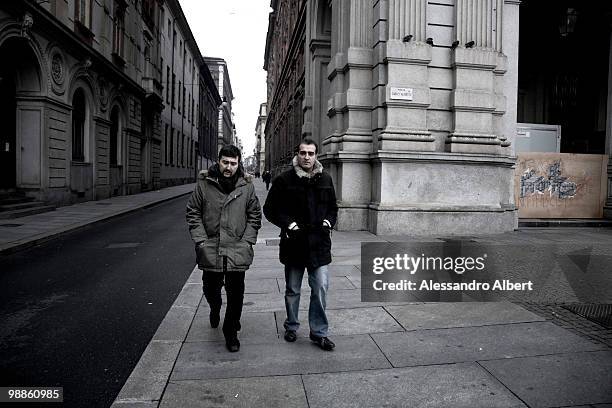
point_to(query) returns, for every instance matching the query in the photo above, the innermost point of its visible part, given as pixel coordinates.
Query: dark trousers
(234, 289)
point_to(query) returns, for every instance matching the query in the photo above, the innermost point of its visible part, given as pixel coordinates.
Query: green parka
(223, 226)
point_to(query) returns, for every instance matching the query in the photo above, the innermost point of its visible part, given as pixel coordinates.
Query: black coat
(307, 202)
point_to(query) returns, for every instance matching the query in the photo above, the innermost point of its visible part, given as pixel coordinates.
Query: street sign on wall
(401, 93)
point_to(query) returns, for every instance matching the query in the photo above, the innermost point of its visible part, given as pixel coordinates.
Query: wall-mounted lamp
(430, 41)
(407, 38)
(567, 23)
(469, 44)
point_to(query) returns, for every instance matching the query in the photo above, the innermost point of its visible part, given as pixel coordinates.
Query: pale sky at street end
(235, 30)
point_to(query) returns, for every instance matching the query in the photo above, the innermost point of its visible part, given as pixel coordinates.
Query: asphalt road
(78, 312)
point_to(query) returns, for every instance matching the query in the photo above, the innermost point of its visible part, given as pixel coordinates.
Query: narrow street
(78, 312)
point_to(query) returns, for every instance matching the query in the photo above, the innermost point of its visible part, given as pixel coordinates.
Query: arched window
(114, 137)
(78, 126)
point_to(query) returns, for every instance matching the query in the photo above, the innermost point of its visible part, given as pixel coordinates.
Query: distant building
(191, 102)
(220, 74)
(260, 136)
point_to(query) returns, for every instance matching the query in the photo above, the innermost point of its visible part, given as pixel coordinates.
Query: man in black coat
(267, 177)
(302, 202)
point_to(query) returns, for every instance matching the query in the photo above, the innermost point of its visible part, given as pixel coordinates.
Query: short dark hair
(309, 141)
(229, 151)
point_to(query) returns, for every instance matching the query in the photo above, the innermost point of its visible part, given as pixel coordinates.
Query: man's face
(228, 166)
(306, 157)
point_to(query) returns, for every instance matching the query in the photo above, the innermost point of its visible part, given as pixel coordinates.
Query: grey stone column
(478, 67)
(402, 59)
(317, 56)
(346, 149)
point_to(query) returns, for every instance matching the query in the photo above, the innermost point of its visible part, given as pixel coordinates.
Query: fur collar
(318, 168)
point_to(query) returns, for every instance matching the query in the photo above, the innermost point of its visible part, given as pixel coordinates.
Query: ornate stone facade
(83, 98)
(414, 104)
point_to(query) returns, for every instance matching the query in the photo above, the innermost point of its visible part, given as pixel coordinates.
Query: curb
(159, 358)
(49, 236)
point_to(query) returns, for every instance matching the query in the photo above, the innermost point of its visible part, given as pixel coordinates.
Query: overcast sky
(235, 30)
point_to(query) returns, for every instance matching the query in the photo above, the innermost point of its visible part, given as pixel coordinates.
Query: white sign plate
(401, 93)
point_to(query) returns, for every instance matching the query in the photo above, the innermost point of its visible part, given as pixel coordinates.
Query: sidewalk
(387, 354)
(20, 233)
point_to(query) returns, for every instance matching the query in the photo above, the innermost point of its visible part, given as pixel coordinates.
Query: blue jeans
(319, 282)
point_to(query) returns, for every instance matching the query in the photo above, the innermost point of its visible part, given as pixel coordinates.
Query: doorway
(8, 153)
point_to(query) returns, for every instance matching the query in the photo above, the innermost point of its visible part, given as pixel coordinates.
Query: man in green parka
(224, 215)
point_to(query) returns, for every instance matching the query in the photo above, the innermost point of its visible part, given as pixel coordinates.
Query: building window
(82, 12)
(148, 13)
(166, 145)
(183, 150)
(114, 137)
(189, 112)
(179, 97)
(184, 90)
(167, 84)
(173, 89)
(79, 115)
(169, 29)
(118, 28)
(171, 146)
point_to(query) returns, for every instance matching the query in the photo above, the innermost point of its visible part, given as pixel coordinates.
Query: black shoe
(232, 344)
(323, 342)
(290, 336)
(214, 318)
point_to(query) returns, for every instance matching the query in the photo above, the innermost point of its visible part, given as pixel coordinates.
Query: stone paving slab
(343, 299)
(265, 272)
(202, 360)
(259, 327)
(256, 392)
(557, 380)
(441, 346)
(262, 285)
(453, 386)
(346, 322)
(335, 283)
(278, 271)
(446, 315)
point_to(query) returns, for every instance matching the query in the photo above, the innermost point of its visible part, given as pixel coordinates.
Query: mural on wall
(560, 185)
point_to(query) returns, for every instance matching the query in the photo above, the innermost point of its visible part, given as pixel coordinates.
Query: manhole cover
(11, 225)
(123, 245)
(600, 314)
